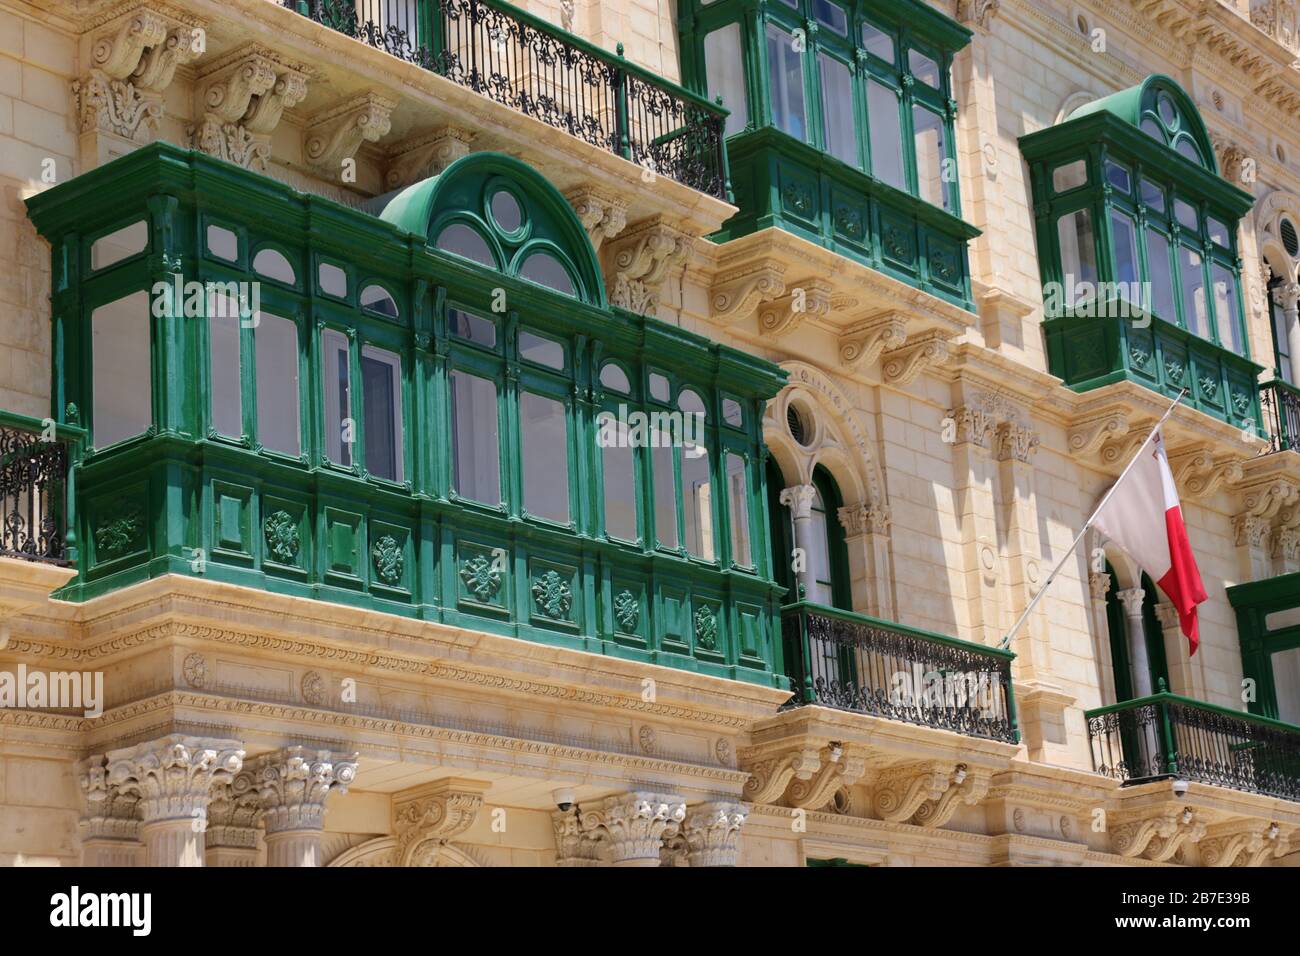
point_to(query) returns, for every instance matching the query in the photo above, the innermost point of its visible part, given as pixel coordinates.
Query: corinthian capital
(712, 831)
(292, 785)
(173, 777)
(633, 825)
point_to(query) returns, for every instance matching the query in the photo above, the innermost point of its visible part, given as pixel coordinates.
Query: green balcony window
(841, 127)
(1138, 251)
(409, 412)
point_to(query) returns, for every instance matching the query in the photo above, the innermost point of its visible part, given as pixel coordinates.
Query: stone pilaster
(172, 779)
(230, 839)
(1184, 677)
(631, 827)
(866, 537)
(291, 786)
(971, 428)
(110, 823)
(712, 832)
(573, 846)
(799, 499)
(1098, 586)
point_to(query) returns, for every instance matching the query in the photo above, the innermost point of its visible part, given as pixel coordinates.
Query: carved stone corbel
(641, 260)
(1189, 828)
(807, 298)
(1243, 844)
(900, 366)
(1199, 475)
(969, 788)
(336, 134)
(1086, 438)
(241, 100)
(769, 776)
(426, 819)
(863, 343)
(901, 791)
(1158, 835)
(1120, 451)
(977, 13)
(737, 294)
(604, 217)
(131, 65)
(840, 768)
(420, 157)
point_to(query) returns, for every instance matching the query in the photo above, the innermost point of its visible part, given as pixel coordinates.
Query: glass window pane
(923, 68)
(1226, 312)
(544, 436)
(659, 388)
(885, 128)
(1286, 682)
(461, 240)
(119, 348)
(122, 244)
(619, 467)
(690, 402)
(381, 402)
(738, 509)
(333, 280)
(472, 328)
(274, 265)
(1192, 277)
(225, 379)
(506, 211)
(1153, 196)
(785, 83)
(1153, 129)
(665, 491)
(1078, 250)
(1187, 149)
(275, 340)
(931, 157)
(837, 109)
(722, 59)
(376, 299)
(543, 351)
(1126, 255)
(832, 16)
(697, 503)
(544, 269)
(1160, 275)
(614, 378)
(732, 413)
(476, 449)
(1070, 176)
(1219, 233)
(223, 243)
(338, 397)
(878, 43)
(1185, 213)
(1118, 176)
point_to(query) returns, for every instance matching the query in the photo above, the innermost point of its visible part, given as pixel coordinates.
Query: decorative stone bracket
(1086, 438)
(427, 818)
(642, 260)
(1244, 844)
(902, 791)
(901, 366)
(968, 788)
(241, 99)
(839, 768)
(862, 344)
(336, 134)
(603, 216)
(770, 775)
(131, 65)
(428, 154)
(1157, 836)
(735, 295)
(805, 299)
(1199, 475)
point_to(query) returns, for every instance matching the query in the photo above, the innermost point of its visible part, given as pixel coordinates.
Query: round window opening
(797, 422)
(1168, 114)
(506, 211)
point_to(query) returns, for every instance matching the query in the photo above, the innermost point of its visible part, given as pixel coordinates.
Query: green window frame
(1268, 626)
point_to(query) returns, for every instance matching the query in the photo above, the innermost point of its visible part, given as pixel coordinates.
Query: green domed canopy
(495, 210)
(1162, 109)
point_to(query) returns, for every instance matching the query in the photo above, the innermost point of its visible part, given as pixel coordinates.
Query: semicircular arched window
(1165, 122)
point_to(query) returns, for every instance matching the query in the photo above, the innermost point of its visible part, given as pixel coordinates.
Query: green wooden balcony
(1167, 736)
(869, 666)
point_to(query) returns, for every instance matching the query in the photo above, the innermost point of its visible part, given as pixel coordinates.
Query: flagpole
(1006, 641)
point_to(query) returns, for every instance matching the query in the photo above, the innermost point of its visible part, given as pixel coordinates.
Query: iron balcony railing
(531, 66)
(36, 489)
(1280, 404)
(853, 662)
(1167, 736)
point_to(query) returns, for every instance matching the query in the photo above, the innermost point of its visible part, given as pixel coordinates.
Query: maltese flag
(1145, 518)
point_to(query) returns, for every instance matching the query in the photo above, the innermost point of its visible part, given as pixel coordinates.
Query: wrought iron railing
(35, 490)
(1168, 736)
(853, 662)
(1280, 403)
(540, 70)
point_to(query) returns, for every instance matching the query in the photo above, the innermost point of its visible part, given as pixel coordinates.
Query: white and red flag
(1144, 517)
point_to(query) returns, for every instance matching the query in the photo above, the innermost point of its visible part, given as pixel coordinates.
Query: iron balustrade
(853, 662)
(35, 483)
(1280, 403)
(1166, 736)
(529, 65)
